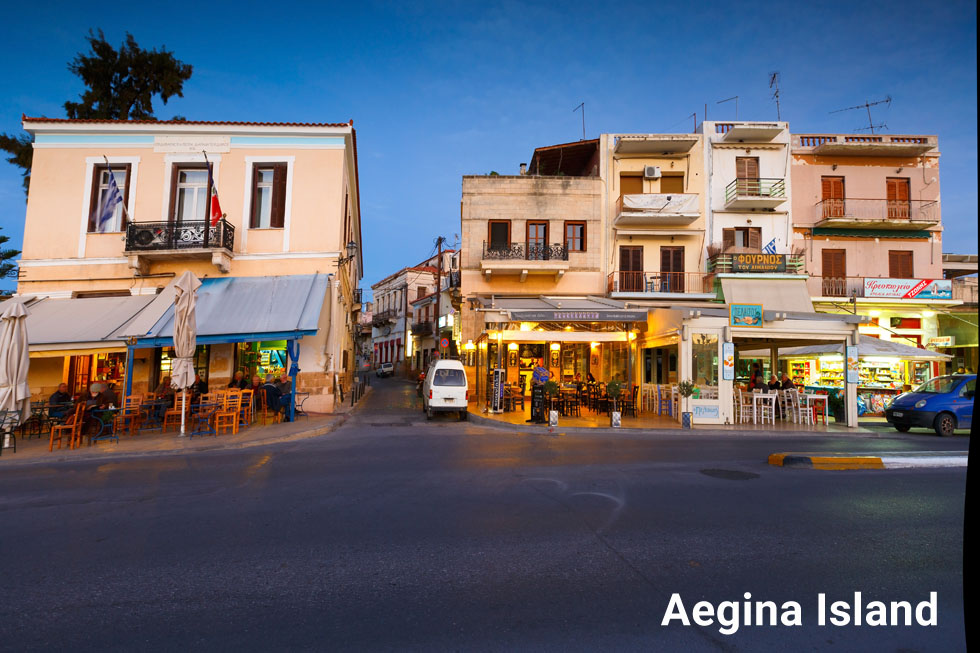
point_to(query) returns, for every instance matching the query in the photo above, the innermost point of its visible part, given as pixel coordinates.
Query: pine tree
(7, 268)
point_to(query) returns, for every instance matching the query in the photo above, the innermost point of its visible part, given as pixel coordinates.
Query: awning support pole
(129, 371)
(290, 344)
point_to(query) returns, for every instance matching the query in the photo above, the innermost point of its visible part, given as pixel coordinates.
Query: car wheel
(902, 428)
(945, 424)
(462, 415)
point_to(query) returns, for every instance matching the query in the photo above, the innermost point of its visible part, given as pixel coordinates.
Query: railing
(525, 251)
(422, 328)
(877, 209)
(965, 290)
(668, 282)
(357, 296)
(381, 318)
(813, 141)
(453, 279)
(149, 236)
(755, 187)
(836, 286)
(723, 127)
(722, 263)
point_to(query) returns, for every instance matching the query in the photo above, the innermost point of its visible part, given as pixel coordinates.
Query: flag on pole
(213, 206)
(771, 247)
(112, 198)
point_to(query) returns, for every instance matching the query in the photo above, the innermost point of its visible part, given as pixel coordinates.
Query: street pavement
(394, 533)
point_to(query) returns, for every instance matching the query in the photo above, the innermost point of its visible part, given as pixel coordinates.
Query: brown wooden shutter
(630, 185)
(746, 167)
(897, 189)
(727, 238)
(834, 263)
(253, 220)
(900, 264)
(172, 214)
(672, 184)
(278, 218)
(755, 238)
(832, 192)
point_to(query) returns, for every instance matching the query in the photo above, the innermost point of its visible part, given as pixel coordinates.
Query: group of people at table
(757, 383)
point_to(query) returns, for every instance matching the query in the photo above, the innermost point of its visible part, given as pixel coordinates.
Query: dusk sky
(437, 91)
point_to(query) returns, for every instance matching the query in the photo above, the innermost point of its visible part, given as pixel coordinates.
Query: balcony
(524, 259)
(653, 210)
(422, 328)
(748, 132)
(157, 241)
(755, 262)
(652, 285)
(888, 145)
(357, 297)
(655, 143)
(876, 214)
(382, 318)
(755, 193)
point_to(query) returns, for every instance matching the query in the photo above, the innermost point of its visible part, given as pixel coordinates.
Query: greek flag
(771, 247)
(112, 198)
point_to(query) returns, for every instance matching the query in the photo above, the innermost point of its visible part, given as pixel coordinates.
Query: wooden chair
(228, 417)
(517, 397)
(628, 403)
(245, 412)
(130, 417)
(71, 428)
(266, 414)
(174, 413)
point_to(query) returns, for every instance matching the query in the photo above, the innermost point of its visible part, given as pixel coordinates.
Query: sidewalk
(153, 443)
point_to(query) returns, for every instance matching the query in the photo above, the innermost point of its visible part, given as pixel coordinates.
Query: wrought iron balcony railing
(197, 234)
(382, 318)
(531, 251)
(422, 328)
(358, 295)
(756, 187)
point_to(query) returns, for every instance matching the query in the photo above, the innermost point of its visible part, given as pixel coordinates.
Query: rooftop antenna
(582, 107)
(774, 84)
(734, 97)
(695, 116)
(867, 107)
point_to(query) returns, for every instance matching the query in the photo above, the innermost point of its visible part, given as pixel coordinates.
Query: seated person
(238, 381)
(590, 378)
(285, 384)
(773, 383)
(164, 390)
(199, 387)
(273, 396)
(107, 398)
(787, 383)
(60, 401)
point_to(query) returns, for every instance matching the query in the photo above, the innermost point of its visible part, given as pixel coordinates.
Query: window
(630, 184)
(449, 377)
(834, 282)
(704, 352)
(672, 269)
(897, 189)
(672, 184)
(900, 264)
(100, 192)
(188, 193)
(499, 234)
(269, 196)
(747, 174)
(421, 292)
(631, 268)
(575, 236)
(749, 237)
(832, 193)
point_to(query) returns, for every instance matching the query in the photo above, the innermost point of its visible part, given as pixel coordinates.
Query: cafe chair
(228, 417)
(517, 398)
(628, 404)
(130, 418)
(71, 429)
(245, 412)
(174, 413)
(274, 415)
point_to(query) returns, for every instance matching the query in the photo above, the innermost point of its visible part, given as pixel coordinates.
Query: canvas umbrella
(15, 395)
(185, 338)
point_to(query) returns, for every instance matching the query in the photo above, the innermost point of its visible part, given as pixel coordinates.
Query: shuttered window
(832, 193)
(499, 235)
(268, 196)
(631, 268)
(900, 264)
(897, 189)
(672, 269)
(834, 263)
(750, 237)
(747, 174)
(630, 185)
(672, 184)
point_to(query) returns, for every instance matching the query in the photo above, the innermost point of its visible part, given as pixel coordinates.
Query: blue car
(944, 403)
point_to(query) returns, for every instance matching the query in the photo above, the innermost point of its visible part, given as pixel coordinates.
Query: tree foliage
(7, 268)
(121, 83)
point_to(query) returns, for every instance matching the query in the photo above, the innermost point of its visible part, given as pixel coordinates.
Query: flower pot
(687, 419)
(615, 419)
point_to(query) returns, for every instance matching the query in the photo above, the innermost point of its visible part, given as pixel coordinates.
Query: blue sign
(745, 315)
(709, 411)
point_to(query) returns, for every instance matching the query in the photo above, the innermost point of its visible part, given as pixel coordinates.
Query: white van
(445, 388)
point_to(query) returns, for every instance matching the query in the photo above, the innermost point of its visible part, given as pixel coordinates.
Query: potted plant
(686, 389)
(613, 388)
(551, 390)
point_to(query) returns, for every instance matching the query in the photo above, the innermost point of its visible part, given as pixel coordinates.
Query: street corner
(881, 460)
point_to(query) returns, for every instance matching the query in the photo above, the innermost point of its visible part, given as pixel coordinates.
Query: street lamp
(351, 253)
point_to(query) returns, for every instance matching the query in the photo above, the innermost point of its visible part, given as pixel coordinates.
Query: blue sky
(437, 91)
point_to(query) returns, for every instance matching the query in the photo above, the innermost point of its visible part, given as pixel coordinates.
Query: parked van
(445, 388)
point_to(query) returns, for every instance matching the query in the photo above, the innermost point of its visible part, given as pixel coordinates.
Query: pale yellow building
(287, 249)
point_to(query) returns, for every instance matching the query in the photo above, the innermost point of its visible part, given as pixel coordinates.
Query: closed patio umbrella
(15, 395)
(185, 338)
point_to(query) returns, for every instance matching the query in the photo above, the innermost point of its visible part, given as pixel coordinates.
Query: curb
(884, 460)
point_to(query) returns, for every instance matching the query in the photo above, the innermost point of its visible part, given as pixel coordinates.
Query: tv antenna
(582, 107)
(867, 107)
(774, 84)
(734, 97)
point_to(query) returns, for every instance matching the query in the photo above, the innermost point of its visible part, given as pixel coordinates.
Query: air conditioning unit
(651, 172)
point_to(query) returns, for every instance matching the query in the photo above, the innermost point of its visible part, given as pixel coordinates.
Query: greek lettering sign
(579, 316)
(745, 315)
(728, 361)
(758, 262)
(497, 397)
(942, 341)
(705, 411)
(909, 288)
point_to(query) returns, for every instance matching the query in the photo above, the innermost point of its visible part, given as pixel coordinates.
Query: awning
(561, 309)
(240, 309)
(866, 347)
(64, 327)
(773, 294)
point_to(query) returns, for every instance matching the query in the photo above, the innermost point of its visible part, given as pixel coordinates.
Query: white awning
(62, 326)
(774, 294)
(866, 347)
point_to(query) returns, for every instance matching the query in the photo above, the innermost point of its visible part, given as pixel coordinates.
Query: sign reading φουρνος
(758, 262)
(745, 315)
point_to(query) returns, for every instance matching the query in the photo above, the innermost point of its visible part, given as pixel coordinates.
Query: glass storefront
(704, 348)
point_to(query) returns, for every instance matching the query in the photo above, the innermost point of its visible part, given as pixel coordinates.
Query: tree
(7, 269)
(120, 86)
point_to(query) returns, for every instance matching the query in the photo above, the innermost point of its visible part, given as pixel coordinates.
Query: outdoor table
(811, 399)
(8, 422)
(34, 425)
(201, 414)
(764, 396)
(154, 413)
(300, 402)
(106, 418)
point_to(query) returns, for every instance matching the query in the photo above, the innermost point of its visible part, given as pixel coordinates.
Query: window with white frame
(100, 193)
(268, 196)
(189, 194)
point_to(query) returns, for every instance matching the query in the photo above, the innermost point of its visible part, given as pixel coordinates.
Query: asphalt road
(394, 533)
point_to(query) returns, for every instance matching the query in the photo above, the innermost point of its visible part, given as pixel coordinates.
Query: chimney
(523, 168)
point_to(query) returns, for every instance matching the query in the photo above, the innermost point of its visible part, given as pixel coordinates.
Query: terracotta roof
(101, 121)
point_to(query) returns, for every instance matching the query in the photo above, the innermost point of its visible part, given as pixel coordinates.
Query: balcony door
(900, 264)
(631, 268)
(832, 192)
(898, 198)
(189, 194)
(537, 240)
(672, 269)
(630, 184)
(747, 175)
(834, 283)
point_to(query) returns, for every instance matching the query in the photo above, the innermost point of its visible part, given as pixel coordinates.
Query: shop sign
(709, 411)
(909, 288)
(728, 361)
(579, 316)
(942, 341)
(853, 370)
(745, 315)
(497, 397)
(758, 262)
